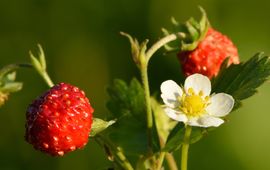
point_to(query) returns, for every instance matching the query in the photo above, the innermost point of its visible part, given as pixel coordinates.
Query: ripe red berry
(59, 121)
(208, 56)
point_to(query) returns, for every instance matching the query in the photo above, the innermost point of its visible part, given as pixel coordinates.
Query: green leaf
(127, 105)
(99, 125)
(126, 100)
(242, 80)
(163, 123)
(176, 137)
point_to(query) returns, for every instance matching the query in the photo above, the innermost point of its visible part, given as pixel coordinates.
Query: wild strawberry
(201, 49)
(208, 56)
(59, 121)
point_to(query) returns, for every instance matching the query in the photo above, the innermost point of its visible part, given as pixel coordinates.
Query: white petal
(205, 121)
(170, 91)
(193, 122)
(176, 115)
(198, 82)
(221, 105)
(209, 121)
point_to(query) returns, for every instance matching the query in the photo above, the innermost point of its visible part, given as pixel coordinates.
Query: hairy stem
(163, 41)
(168, 156)
(149, 117)
(160, 160)
(13, 67)
(185, 147)
(144, 75)
(116, 152)
(47, 79)
(171, 161)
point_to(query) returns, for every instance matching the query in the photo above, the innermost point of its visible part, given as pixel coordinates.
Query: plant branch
(171, 161)
(160, 160)
(163, 41)
(185, 147)
(11, 67)
(116, 152)
(47, 79)
(149, 117)
(144, 60)
(168, 156)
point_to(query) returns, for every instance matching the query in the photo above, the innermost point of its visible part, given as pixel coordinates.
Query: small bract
(193, 103)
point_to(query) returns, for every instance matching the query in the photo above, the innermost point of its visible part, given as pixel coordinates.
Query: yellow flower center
(193, 104)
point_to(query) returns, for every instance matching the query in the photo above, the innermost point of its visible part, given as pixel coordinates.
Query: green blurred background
(83, 47)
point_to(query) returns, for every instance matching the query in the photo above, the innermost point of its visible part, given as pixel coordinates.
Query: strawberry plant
(145, 128)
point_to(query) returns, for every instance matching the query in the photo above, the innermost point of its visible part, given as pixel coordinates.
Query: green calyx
(190, 33)
(138, 50)
(40, 65)
(8, 83)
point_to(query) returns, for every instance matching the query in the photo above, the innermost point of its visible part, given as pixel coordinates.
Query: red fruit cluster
(59, 121)
(207, 58)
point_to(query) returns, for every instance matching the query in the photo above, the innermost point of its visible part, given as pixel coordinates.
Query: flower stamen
(193, 104)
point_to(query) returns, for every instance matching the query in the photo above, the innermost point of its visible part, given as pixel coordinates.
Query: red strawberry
(209, 54)
(59, 121)
(201, 49)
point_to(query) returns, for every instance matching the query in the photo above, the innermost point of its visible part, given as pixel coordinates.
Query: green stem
(40, 65)
(171, 162)
(12, 67)
(47, 79)
(160, 160)
(169, 157)
(116, 151)
(149, 117)
(163, 41)
(144, 75)
(185, 147)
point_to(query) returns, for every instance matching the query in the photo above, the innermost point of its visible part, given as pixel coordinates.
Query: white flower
(193, 104)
